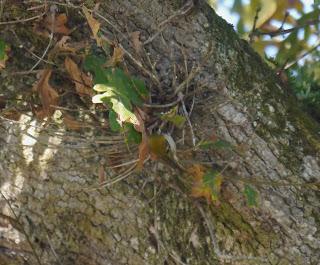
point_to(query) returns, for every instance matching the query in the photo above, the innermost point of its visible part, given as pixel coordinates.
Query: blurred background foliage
(287, 34)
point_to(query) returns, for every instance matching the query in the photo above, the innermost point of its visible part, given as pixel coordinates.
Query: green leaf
(125, 115)
(132, 135)
(94, 64)
(139, 86)
(173, 117)
(177, 120)
(213, 180)
(121, 83)
(209, 176)
(114, 125)
(219, 144)
(2, 49)
(101, 88)
(251, 195)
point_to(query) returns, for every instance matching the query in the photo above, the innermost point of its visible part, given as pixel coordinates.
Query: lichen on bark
(148, 218)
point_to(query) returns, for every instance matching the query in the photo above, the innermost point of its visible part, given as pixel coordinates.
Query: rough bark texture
(143, 220)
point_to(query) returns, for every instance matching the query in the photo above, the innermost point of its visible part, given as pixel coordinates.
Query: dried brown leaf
(82, 82)
(48, 96)
(102, 174)
(11, 114)
(143, 152)
(144, 145)
(49, 24)
(93, 24)
(117, 57)
(136, 43)
(71, 123)
(63, 45)
(59, 24)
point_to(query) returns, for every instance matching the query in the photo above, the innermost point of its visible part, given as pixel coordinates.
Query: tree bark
(50, 214)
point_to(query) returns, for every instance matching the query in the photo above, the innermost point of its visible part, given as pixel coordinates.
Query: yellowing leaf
(267, 9)
(157, 146)
(206, 183)
(48, 95)
(283, 6)
(93, 24)
(174, 118)
(82, 82)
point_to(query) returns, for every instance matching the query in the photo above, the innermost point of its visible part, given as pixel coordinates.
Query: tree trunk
(51, 214)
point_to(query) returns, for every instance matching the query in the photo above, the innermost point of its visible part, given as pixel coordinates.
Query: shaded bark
(147, 218)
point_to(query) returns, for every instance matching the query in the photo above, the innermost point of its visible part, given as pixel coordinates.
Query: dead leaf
(143, 152)
(93, 24)
(12, 114)
(63, 45)
(213, 137)
(59, 24)
(82, 82)
(202, 189)
(71, 123)
(194, 238)
(136, 43)
(102, 174)
(48, 96)
(140, 127)
(117, 57)
(48, 24)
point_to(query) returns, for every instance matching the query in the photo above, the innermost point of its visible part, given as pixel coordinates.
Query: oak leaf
(82, 82)
(47, 94)
(93, 24)
(117, 57)
(58, 24)
(63, 45)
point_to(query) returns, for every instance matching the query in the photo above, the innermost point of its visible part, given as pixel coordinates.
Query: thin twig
(53, 10)
(251, 35)
(181, 12)
(22, 20)
(302, 56)
(186, 114)
(285, 31)
(194, 71)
